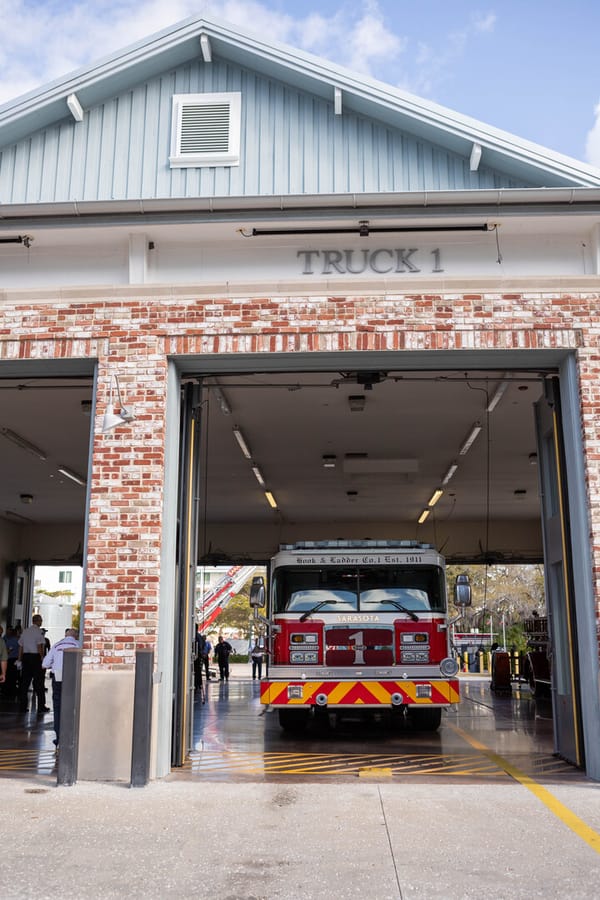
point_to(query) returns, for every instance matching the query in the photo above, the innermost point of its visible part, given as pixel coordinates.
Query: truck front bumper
(341, 693)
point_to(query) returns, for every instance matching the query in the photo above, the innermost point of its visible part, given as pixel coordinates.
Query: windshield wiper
(309, 612)
(409, 612)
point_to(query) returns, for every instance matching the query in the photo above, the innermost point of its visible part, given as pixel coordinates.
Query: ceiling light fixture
(356, 402)
(16, 517)
(222, 400)
(271, 499)
(23, 443)
(423, 516)
(468, 443)
(329, 461)
(242, 442)
(500, 390)
(452, 469)
(125, 414)
(258, 476)
(435, 497)
(73, 476)
(26, 498)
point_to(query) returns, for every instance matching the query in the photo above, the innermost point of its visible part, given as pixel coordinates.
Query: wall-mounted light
(112, 419)
(423, 516)
(271, 499)
(472, 436)
(435, 497)
(451, 470)
(73, 476)
(23, 443)
(86, 407)
(242, 442)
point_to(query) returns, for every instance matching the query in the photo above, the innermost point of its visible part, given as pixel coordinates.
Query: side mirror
(462, 591)
(257, 592)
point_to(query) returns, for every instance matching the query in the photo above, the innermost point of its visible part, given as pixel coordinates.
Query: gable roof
(525, 164)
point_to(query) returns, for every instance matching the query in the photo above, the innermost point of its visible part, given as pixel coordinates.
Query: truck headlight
(448, 667)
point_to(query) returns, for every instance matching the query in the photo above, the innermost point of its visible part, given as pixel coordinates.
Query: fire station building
(246, 297)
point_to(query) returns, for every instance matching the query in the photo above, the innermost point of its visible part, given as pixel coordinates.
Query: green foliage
(501, 593)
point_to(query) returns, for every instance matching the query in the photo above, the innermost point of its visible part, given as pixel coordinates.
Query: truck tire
(425, 719)
(293, 720)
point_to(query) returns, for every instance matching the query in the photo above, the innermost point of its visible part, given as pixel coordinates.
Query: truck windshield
(359, 589)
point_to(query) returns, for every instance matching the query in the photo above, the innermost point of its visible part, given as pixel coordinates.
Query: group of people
(221, 653)
(25, 657)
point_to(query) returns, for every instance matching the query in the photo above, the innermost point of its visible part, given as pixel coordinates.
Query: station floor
(488, 737)
(347, 810)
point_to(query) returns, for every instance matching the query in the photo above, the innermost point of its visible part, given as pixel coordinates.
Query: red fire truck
(358, 625)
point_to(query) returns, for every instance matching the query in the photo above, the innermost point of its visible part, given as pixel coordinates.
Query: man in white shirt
(54, 661)
(32, 646)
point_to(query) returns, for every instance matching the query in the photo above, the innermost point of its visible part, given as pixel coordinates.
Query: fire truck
(358, 625)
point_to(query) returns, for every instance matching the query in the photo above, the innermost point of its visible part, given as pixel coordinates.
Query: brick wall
(134, 336)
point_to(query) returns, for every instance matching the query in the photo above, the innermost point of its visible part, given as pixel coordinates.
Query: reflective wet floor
(481, 739)
(236, 739)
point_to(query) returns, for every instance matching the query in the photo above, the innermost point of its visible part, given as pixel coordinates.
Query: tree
(505, 594)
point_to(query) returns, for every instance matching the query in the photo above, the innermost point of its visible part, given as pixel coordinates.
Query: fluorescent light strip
(435, 497)
(449, 473)
(470, 439)
(271, 499)
(9, 514)
(258, 476)
(423, 516)
(497, 396)
(21, 442)
(221, 400)
(73, 476)
(241, 441)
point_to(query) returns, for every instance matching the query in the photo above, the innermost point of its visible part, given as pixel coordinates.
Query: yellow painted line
(374, 772)
(216, 762)
(562, 812)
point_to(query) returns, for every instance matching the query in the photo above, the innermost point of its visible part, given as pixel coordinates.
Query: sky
(529, 67)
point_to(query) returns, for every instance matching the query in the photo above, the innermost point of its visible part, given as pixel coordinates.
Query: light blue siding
(291, 143)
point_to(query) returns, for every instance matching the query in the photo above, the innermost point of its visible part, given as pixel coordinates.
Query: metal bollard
(465, 658)
(142, 718)
(68, 753)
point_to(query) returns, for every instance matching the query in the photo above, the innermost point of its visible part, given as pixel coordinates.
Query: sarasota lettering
(382, 261)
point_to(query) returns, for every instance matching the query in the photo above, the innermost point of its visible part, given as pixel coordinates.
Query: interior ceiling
(389, 457)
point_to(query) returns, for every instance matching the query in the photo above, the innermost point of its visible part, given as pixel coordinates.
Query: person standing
(54, 661)
(256, 655)
(32, 646)
(3, 660)
(12, 676)
(222, 652)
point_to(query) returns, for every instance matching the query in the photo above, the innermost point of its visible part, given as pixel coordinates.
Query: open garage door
(558, 577)
(187, 544)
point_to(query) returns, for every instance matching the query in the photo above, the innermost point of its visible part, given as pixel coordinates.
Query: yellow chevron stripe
(337, 692)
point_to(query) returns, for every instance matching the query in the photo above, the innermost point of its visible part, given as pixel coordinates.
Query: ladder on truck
(216, 599)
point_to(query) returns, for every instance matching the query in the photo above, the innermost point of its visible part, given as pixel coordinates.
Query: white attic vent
(205, 130)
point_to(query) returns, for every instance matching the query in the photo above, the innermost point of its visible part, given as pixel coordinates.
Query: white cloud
(592, 144)
(46, 41)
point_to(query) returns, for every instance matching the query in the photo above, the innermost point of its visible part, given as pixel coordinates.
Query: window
(65, 577)
(205, 130)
